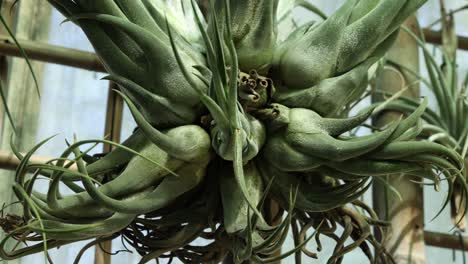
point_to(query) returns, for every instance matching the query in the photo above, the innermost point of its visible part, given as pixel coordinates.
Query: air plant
(229, 116)
(446, 122)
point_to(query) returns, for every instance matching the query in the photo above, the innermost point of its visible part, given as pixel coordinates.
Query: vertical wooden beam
(8, 16)
(114, 112)
(32, 20)
(112, 131)
(405, 240)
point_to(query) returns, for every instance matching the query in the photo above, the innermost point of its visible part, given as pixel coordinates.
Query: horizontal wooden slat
(445, 240)
(9, 161)
(435, 37)
(52, 54)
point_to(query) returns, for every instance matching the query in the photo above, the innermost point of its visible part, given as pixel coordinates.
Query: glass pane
(73, 102)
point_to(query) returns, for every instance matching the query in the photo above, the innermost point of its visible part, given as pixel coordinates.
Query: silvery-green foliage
(230, 116)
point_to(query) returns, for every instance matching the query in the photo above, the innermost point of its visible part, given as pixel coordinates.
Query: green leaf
(23, 53)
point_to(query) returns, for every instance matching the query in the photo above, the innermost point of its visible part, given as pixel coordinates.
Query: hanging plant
(228, 116)
(445, 123)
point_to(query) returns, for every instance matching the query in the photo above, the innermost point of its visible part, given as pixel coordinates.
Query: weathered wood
(442, 240)
(113, 129)
(114, 115)
(8, 160)
(8, 17)
(4, 69)
(52, 54)
(32, 22)
(405, 238)
(435, 37)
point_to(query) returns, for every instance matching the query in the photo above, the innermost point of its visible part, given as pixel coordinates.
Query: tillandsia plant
(446, 124)
(228, 116)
